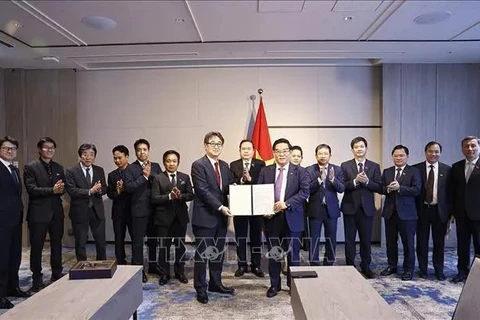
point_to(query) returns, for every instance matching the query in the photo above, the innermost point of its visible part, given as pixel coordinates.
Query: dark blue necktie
(14, 174)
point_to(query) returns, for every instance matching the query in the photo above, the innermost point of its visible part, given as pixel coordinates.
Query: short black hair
(141, 141)
(211, 134)
(400, 146)
(122, 149)
(358, 139)
(431, 143)
(10, 139)
(87, 146)
(281, 140)
(468, 138)
(246, 140)
(297, 148)
(321, 146)
(169, 152)
(45, 140)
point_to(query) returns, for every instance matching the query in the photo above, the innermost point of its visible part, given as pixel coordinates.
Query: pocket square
(182, 182)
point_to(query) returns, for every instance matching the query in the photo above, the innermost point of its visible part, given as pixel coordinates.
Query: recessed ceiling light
(179, 20)
(99, 23)
(17, 25)
(432, 17)
(349, 18)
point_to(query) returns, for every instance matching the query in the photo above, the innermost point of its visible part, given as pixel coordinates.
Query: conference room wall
(174, 109)
(2, 104)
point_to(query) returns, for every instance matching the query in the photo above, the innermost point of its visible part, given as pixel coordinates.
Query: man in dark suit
(138, 183)
(296, 158)
(465, 191)
(433, 209)
(44, 181)
(211, 178)
(283, 228)
(326, 180)
(121, 206)
(401, 185)
(362, 180)
(86, 185)
(171, 190)
(246, 171)
(11, 216)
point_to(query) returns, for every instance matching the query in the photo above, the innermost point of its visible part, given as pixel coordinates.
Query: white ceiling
(231, 33)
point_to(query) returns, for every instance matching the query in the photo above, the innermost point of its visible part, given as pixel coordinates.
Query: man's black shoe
(163, 280)
(221, 289)
(461, 277)
(388, 271)
(182, 278)
(5, 303)
(407, 276)
(258, 272)
(240, 271)
(202, 297)
(368, 273)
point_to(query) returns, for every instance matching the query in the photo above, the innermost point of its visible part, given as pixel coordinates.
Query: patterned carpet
(417, 299)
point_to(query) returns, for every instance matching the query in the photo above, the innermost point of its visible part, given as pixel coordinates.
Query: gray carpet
(417, 299)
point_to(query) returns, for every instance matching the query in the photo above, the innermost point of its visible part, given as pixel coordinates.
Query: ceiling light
(179, 20)
(349, 18)
(17, 24)
(51, 58)
(432, 17)
(99, 23)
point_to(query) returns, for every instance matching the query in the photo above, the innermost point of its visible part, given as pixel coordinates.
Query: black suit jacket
(167, 210)
(78, 187)
(43, 203)
(237, 170)
(11, 206)
(121, 204)
(361, 194)
(208, 195)
(465, 195)
(443, 200)
(403, 200)
(140, 188)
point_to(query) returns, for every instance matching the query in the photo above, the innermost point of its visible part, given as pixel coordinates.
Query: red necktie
(217, 173)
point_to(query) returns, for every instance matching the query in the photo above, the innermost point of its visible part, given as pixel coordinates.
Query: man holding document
(245, 172)
(283, 227)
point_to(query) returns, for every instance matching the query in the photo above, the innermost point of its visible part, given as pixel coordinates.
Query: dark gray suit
(209, 224)
(435, 216)
(45, 214)
(87, 210)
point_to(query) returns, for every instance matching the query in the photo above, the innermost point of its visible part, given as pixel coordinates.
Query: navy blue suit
(358, 207)
(11, 216)
(400, 213)
(140, 190)
(286, 226)
(208, 223)
(323, 209)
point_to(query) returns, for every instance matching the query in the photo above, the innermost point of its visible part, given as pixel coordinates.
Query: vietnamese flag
(261, 137)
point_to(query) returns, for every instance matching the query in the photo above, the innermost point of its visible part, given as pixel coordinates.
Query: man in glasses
(44, 181)
(211, 178)
(11, 212)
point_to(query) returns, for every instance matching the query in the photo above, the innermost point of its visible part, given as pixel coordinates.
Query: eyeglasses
(48, 148)
(8, 149)
(284, 151)
(217, 145)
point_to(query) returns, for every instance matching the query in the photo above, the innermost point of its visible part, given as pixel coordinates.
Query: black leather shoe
(144, 277)
(240, 271)
(154, 269)
(163, 280)
(440, 276)
(202, 297)
(423, 275)
(461, 277)
(182, 278)
(5, 303)
(258, 272)
(388, 271)
(37, 285)
(368, 273)
(272, 292)
(56, 277)
(221, 289)
(18, 293)
(407, 276)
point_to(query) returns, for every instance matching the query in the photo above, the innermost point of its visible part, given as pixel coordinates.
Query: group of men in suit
(151, 203)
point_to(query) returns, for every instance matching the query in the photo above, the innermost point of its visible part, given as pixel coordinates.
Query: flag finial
(260, 91)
